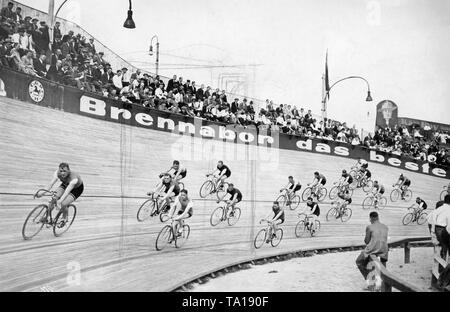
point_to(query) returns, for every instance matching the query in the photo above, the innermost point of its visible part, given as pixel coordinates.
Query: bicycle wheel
(181, 240)
(221, 190)
(33, 225)
(382, 203)
(306, 193)
(443, 193)
(367, 187)
(61, 225)
(322, 194)
(346, 215)
(333, 192)
(395, 194)
(294, 202)
(216, 216)
(300, 228)
(164, 238)
(314, 233)
(331, 214)
(276, 240)
(206, 189)
(281, 200)
(367, 202)
(408, 195)
(407, 218)
(234, 216)
(422, 218)
(260, 238)
(146, 210)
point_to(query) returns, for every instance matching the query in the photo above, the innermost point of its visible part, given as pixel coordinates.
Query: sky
(275, 49)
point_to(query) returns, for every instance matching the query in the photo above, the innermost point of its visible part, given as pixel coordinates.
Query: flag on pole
(327, 82)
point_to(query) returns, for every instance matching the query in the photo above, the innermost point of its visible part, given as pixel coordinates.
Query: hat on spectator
(42, 22)
(34, 19)
(102, 53)
(27, 17)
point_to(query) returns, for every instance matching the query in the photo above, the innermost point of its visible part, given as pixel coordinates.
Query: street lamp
(129, 23)
(327, 93)
(150, 52)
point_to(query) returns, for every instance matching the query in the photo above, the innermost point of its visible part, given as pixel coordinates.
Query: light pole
(150, 52)
(129, 23)
(327, 93)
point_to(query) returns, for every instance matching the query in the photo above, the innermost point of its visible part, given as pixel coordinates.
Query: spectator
(117, 81)
(57, 32)
(440, 226)
(27, 61)
(40, 66)
(376, 244)
(18, 15)
(7, 12)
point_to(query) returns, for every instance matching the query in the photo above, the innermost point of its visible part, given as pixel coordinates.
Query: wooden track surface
(119, 164)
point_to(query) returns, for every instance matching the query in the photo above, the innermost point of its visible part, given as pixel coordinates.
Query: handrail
(282, 256)
(390, 280)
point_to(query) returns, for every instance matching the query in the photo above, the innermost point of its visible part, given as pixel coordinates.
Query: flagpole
(324, 99)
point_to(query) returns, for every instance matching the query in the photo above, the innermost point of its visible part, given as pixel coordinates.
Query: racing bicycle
(41, 215)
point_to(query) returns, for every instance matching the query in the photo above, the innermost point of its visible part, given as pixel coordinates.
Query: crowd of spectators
(73, 60)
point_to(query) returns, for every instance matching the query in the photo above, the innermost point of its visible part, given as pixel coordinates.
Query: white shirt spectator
(159, 93)
(117, 81)
(341, 137)
(178, 97)
(441, 217)
(281, 121)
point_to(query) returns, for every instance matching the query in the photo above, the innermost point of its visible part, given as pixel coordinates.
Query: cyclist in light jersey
(182, 209)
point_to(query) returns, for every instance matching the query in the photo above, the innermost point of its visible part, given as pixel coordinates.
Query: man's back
(376, 240)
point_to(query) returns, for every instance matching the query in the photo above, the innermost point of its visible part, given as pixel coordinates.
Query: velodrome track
(119, 164)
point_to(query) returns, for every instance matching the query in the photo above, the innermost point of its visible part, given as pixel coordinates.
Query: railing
(391, 281)
(389, 278)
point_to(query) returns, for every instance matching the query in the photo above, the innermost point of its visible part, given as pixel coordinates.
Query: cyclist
(168, 189)
(362, 164)
(222, 173)
(366, 175)
(179, 171)
(378, 190)
(182, 208)
(277, 219)
(314, 211)
(292, 187)
(403, 183)
(319, 179)
(422, 205)
(236, 197)
(345, 180)
(68, 191)
(346, 200)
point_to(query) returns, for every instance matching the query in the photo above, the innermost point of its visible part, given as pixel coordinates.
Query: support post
(407, 253)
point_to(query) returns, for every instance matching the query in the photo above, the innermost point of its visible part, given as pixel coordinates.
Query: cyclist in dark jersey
(319, 181)
(167, 189)
(422, 204)
(222, 172)
(403, 183)
(346, 179)
(314, 210)
(236, 197)
(277, 219)
(292, 187)
(69, 190)
(346, 200)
